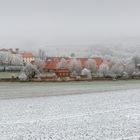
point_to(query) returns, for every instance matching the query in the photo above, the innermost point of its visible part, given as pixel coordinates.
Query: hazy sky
(39, 22)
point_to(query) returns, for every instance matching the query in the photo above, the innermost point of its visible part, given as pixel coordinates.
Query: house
(28, 57)
(51, 63)
(63, 72)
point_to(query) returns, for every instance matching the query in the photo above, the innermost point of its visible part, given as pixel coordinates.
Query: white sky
(39, 22)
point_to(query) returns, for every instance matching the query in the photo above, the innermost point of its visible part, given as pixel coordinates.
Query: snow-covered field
(108, 111)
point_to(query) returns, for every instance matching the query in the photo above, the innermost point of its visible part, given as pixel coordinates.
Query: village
(19, 65)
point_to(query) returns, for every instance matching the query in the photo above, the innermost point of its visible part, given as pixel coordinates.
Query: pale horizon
(33, 24)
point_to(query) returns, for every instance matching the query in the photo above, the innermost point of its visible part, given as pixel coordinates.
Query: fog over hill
(116, 48)
(98, 49)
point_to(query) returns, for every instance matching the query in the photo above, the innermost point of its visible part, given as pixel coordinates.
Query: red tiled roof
(52, 63)
(26, 54)
(98, 60)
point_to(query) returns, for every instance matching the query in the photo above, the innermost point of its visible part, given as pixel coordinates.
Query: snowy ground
(111, 110)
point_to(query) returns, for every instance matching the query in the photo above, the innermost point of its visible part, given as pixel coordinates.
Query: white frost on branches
(62, 64)
(91, 65)
(23, 76)
(86, 72)
(117, 70)
(103, 70)
(75, 67)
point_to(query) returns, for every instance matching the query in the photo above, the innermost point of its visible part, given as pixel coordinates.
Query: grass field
(29, 89)
(8, 74)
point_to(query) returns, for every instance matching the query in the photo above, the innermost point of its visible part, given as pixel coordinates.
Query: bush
(23, 77)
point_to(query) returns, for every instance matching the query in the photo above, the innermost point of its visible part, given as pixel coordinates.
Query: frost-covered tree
(91, 65)
(7, 58)
(86, 72)
(30, 70)
(103, 70)
(39, 65)
(130, 68)
(62, 64)
(10, 62)
(75, 67)
(136, 74)
(117, 70)
(23, 76)
(17, 60)
(2, 58)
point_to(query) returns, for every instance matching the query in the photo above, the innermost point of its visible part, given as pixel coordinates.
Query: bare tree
(41, 54)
